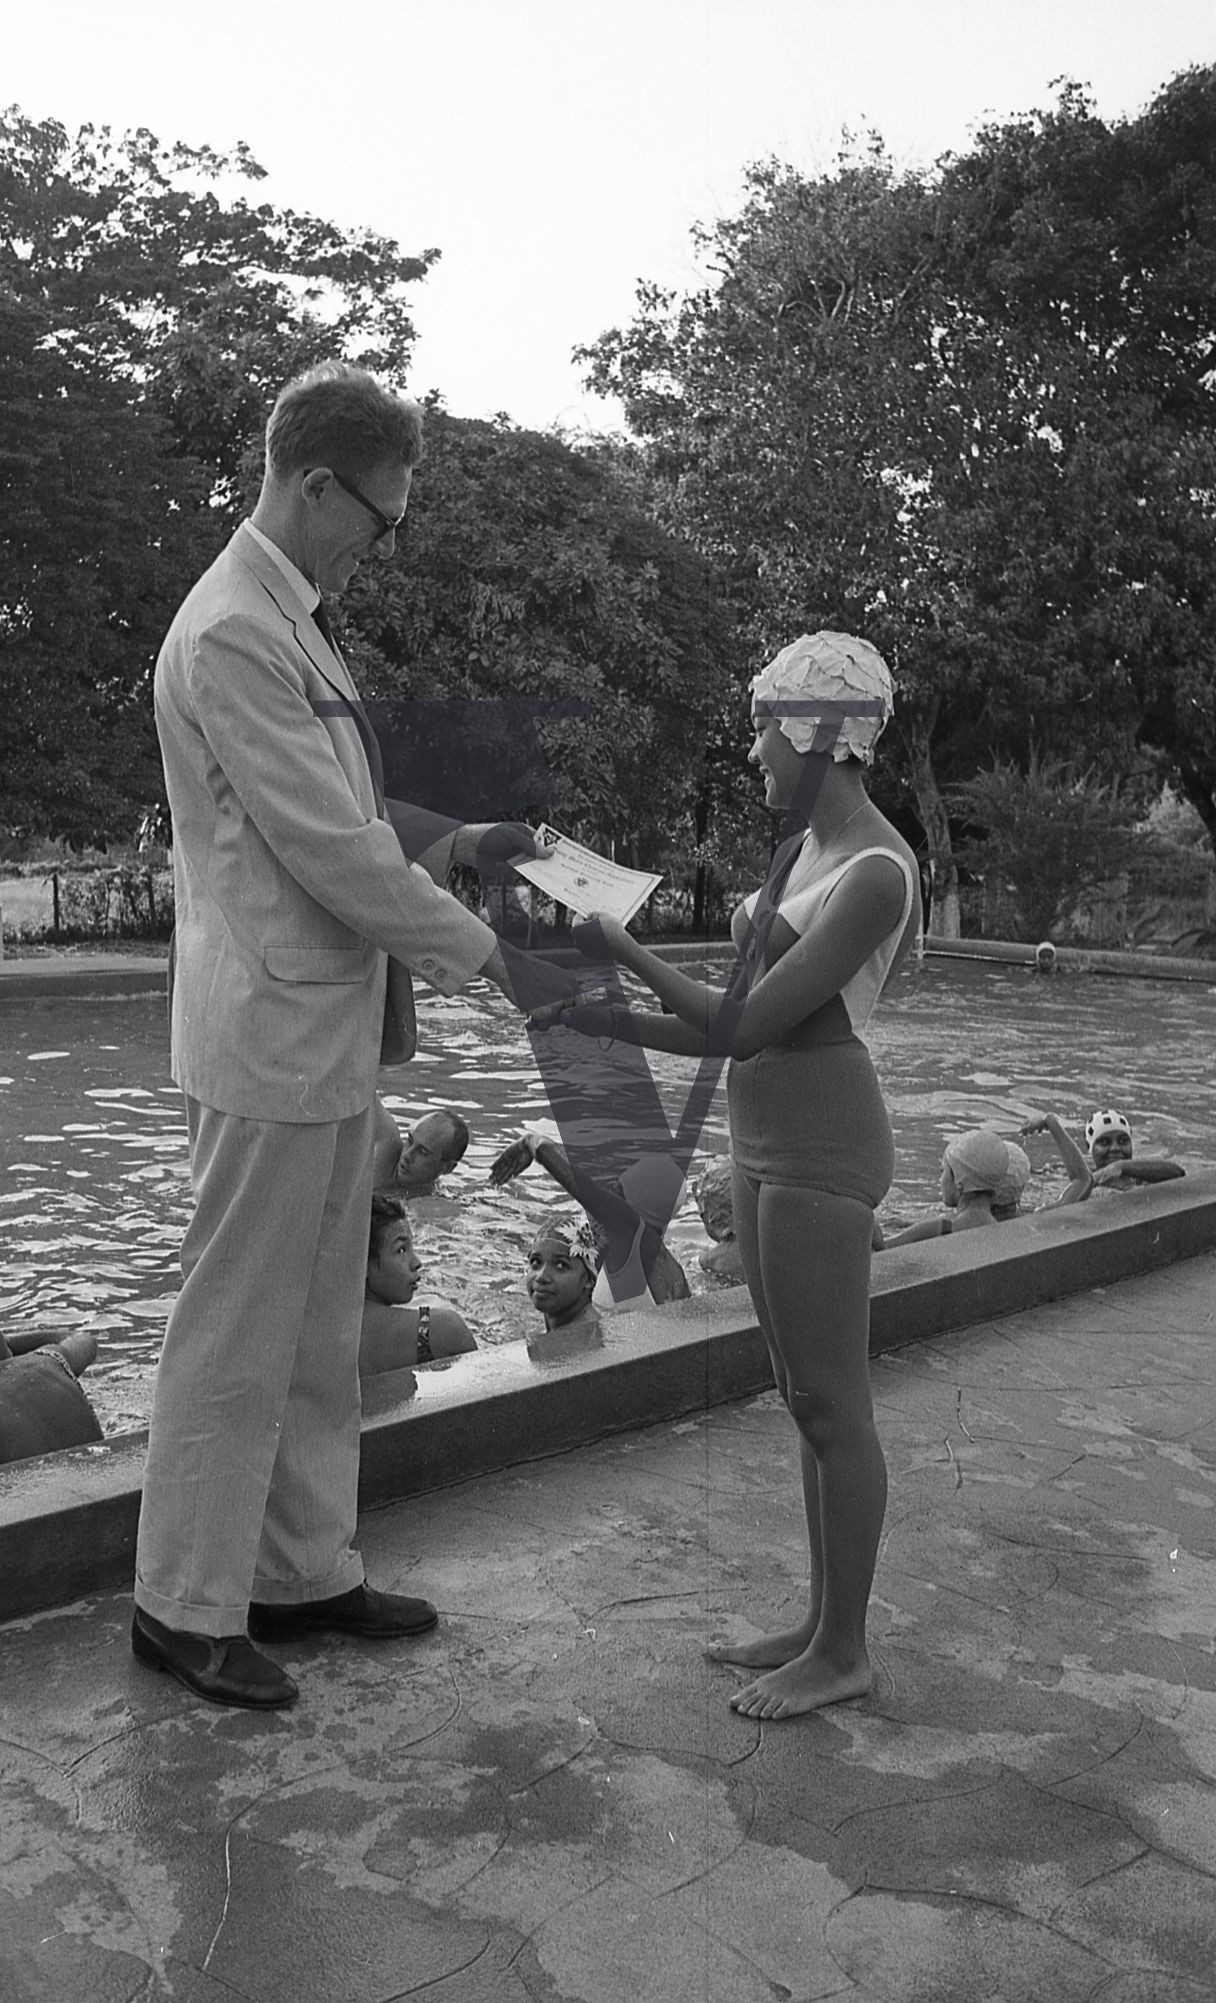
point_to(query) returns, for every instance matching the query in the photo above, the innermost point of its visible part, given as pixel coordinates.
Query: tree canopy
(970, 414)
(532, 572)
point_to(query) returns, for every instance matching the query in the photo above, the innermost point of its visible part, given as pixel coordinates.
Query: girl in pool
(395, 1335)
(983, 1181)
(636, 1269)
(1108, 1136)
(810, 1138)
(563, 1260)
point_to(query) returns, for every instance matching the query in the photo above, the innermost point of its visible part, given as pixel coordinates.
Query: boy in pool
(412, 1163)
(1108, 1136)
(395, 1335)
(563, 1260)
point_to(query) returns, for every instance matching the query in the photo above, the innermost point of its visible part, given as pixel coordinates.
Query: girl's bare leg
(815, 1248)
(768, 1651)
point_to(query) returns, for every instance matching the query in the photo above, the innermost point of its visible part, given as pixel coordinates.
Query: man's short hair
(458, 1136)
(341, 417)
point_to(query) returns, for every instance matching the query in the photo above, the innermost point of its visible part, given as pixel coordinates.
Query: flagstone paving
(550, 1801)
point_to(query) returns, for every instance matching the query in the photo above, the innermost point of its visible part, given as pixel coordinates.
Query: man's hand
(491, 846)
(529, 978)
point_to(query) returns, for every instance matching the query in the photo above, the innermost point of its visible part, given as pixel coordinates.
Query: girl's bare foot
(765, 1651)
(804, 1684)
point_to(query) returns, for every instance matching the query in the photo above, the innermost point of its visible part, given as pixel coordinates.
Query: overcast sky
(558, 151)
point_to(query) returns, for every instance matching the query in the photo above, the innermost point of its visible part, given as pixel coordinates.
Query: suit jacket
(298, 916)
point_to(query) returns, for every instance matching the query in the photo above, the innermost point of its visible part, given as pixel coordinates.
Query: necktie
(320, 619)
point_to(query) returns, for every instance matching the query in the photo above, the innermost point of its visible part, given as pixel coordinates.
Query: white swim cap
(1105, 1123)
(808, 689)
(1017, 1175)
(978, 1161)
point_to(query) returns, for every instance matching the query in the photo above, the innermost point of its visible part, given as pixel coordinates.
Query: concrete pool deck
(549, 1800)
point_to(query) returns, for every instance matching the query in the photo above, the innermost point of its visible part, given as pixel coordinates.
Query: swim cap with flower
(828, 692)
(578, 1241)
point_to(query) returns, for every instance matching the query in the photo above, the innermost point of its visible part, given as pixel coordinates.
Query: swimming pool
(94, 1186)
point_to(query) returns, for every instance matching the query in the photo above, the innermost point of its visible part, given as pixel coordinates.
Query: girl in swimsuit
(810, 1138)
(629, 1214)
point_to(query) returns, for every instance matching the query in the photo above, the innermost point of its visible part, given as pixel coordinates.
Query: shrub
(1050, 836)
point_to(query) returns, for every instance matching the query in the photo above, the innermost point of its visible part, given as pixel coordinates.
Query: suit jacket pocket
(318, 963)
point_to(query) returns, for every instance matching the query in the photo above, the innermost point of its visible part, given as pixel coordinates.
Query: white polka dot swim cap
(1105, 1123)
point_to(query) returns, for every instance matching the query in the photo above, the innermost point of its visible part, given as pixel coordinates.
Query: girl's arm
(1076, 1168)
(1139, 1171)
(604, 1205)
(634, 1025)
(861, 911)
(929, 1227)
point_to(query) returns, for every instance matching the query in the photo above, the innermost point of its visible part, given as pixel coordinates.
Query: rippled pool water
(94, 1185)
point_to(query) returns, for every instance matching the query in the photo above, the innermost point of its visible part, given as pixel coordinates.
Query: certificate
(587, 882)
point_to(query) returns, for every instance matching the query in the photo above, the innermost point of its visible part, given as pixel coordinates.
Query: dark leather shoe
(363, 1611)
(225, 1669)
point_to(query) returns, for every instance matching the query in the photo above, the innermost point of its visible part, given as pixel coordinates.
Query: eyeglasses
(388, 523)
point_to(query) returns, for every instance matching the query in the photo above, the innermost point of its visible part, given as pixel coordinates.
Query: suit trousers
(252, 1473)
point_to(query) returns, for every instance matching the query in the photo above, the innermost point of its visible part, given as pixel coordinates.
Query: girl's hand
(601, 933)
(513, 1160)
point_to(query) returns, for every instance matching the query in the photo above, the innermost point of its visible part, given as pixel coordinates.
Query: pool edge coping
(79, 976)
(68, 1520)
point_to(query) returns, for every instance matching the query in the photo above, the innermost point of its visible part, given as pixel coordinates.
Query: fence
(130, 901)
(1152, 910)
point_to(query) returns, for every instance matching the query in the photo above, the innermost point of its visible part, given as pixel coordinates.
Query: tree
(531, 573)
(145, 325)
(101, 522)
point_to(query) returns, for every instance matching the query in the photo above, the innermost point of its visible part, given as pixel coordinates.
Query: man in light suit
(299, 920)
